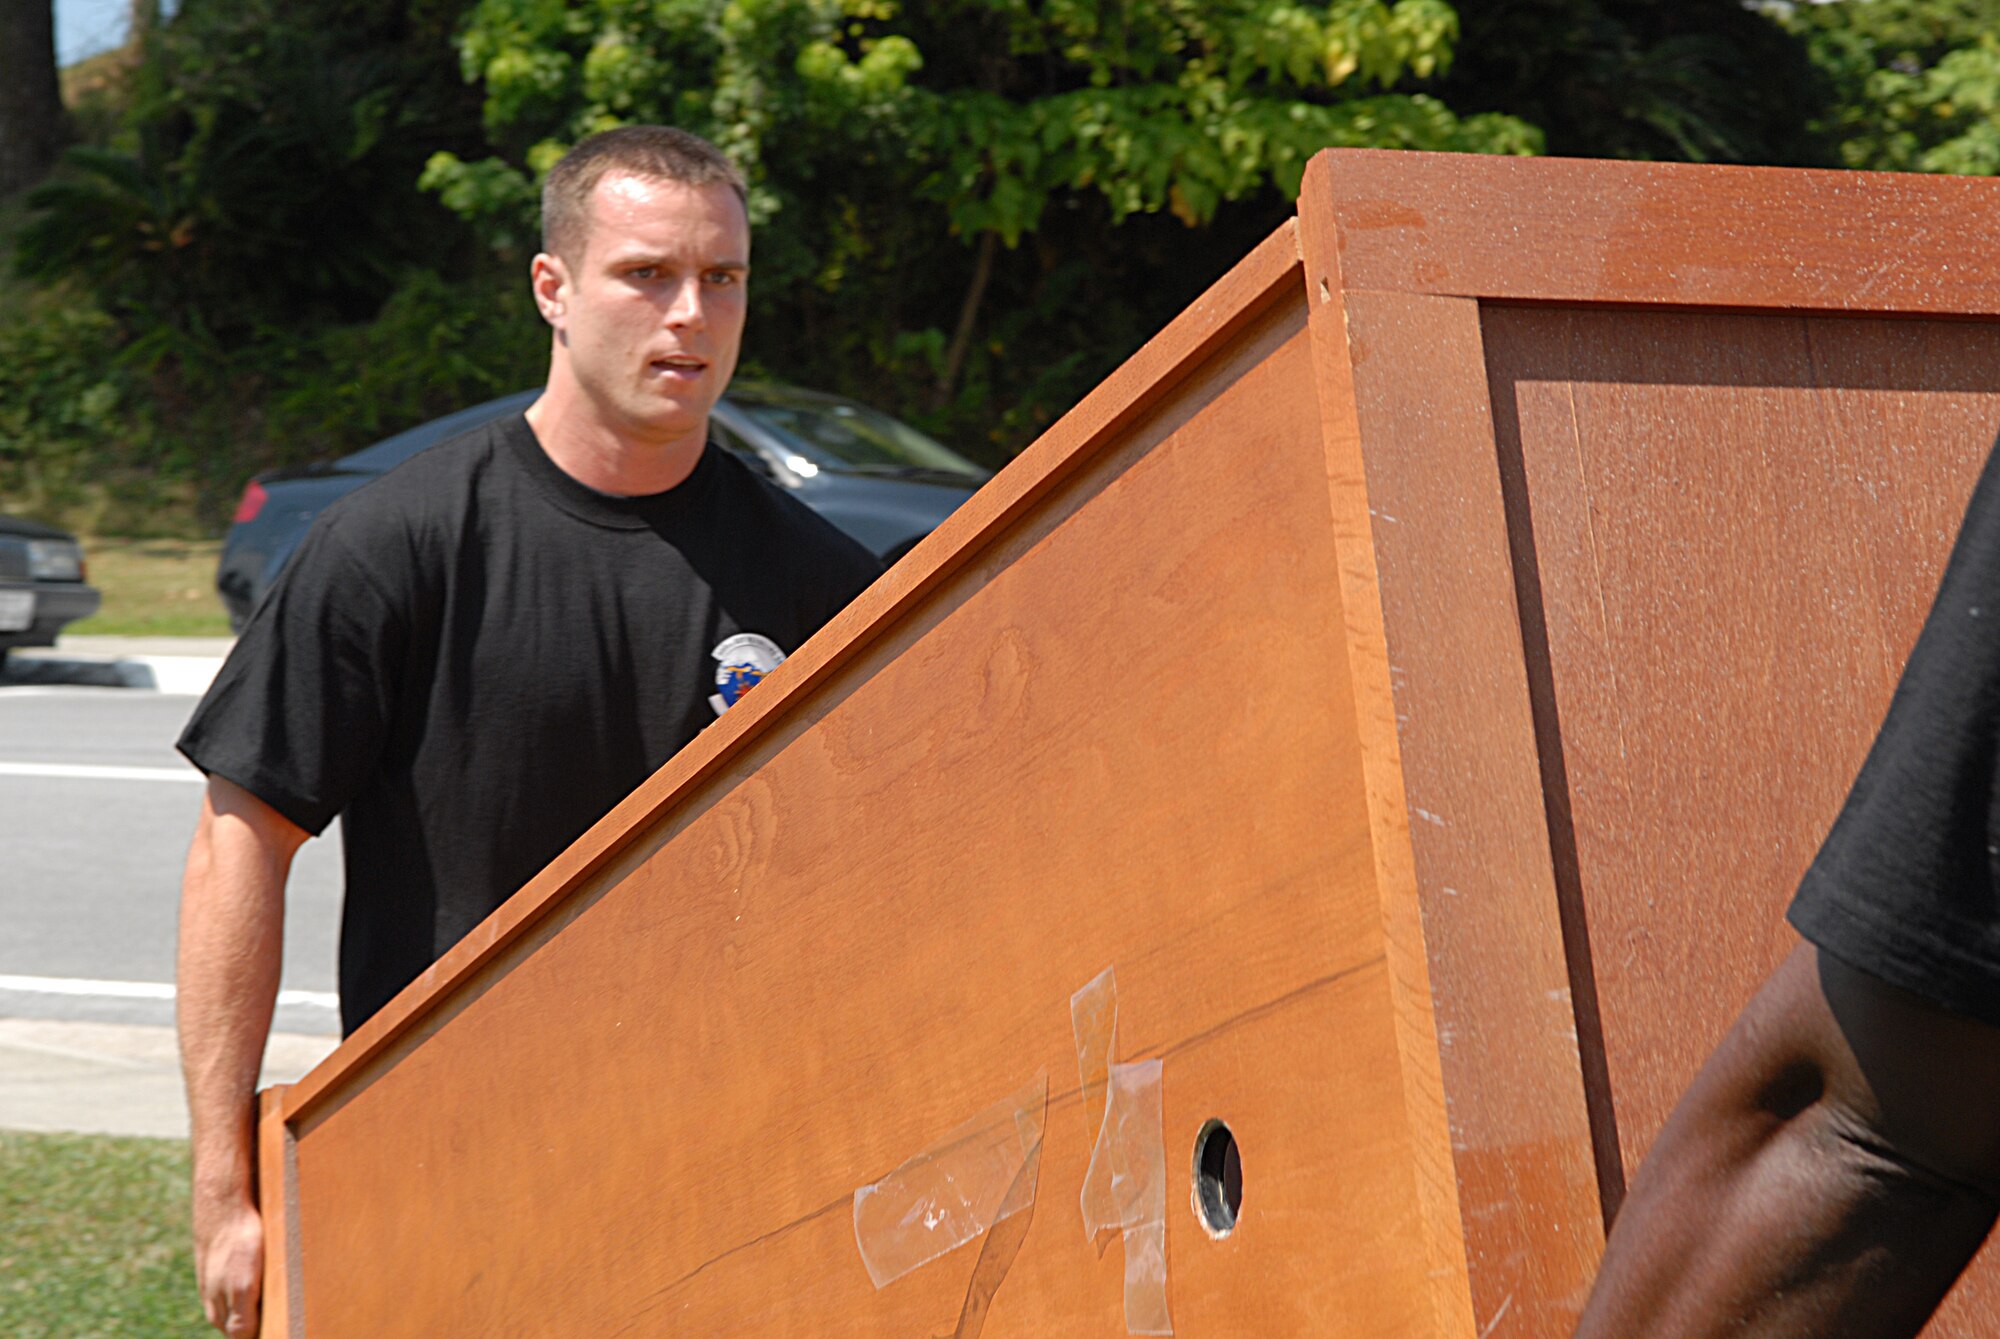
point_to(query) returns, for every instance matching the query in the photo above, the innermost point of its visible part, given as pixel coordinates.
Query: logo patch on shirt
(740, 663)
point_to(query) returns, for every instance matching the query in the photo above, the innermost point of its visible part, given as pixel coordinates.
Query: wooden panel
(1236, 302)
(1738, 523)
(1408, 957)
(1560, 230)
(839, 944)
(1436, 530)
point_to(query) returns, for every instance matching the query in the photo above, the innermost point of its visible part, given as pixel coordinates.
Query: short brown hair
(664, 152)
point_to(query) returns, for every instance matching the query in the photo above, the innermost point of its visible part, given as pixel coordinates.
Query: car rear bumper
(57, 603)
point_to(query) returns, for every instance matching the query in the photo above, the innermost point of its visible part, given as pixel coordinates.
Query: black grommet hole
(1218, 1179)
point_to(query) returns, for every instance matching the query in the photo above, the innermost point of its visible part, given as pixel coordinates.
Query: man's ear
(548, 277)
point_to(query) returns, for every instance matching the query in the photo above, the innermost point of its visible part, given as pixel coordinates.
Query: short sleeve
(302, 708)
(1904, 887)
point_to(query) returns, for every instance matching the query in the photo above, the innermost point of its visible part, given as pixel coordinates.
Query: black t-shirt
(1905, 886)
(473, 658)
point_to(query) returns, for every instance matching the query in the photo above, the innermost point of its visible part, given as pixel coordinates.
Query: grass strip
(154, 588)
(94, 1238)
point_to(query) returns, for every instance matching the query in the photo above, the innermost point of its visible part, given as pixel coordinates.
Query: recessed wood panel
(1738, 522)
(1123, 735)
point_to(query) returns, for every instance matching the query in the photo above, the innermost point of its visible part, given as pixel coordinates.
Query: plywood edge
(1388, 815)
(1268, 275)
(1583, 231)
(276, 1205)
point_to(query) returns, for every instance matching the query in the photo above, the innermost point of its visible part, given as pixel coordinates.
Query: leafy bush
(74, 425)
(1917, 82)
(154, 435)
(434, 348)
(266, 174)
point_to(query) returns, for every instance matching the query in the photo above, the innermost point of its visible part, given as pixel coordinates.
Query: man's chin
(656, 418)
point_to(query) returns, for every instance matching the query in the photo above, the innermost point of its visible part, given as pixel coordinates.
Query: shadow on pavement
(27, 668)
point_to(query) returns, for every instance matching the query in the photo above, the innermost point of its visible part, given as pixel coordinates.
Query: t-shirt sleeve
(1904, 887)
(301, 709)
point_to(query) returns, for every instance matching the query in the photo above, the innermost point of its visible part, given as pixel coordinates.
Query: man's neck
(598, 456)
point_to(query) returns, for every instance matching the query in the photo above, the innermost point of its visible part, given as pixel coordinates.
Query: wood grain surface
(1417, 484)
(1738, 523)
(1377, 717)
(1575, 231)
(1120, 733)
(1267, 277)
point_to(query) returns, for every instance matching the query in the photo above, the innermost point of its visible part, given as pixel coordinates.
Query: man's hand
(229, 1262)
(232, 937)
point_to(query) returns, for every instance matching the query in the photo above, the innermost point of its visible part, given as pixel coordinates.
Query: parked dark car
(878, 479)
(42, 583)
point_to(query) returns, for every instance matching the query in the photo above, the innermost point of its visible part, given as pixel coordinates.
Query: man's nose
(686, 309)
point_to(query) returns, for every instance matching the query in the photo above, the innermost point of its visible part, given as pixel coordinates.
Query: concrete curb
(98, 1078)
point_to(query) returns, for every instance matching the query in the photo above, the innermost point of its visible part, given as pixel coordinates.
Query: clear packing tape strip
(1125, 1187)
(985, 1171)
(982, 1173)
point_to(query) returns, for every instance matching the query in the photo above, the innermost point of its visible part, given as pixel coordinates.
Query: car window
(737, 447)
(841, 435)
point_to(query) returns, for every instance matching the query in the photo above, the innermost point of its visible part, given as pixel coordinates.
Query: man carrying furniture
(473, 659)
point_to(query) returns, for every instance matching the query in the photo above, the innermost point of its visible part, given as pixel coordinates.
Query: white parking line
(86, 772)
(140, 990)
(8, 690)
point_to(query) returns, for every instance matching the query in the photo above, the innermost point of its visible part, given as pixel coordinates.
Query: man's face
(650, 314)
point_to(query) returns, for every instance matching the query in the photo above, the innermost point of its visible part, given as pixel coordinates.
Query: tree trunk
(968, 313)
(32, 125)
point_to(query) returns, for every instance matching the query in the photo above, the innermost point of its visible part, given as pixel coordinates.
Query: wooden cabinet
(1423, 671)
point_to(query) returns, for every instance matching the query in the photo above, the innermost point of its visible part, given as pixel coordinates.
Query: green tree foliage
(1682, 80)
(67, 404)
(267, 171)
(245, 273)
(1916, 82)
(969, 209)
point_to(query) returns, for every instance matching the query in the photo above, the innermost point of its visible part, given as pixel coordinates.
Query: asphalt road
(95, 813)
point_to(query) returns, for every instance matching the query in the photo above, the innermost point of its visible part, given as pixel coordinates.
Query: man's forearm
(232, 930)
(1775, 1203)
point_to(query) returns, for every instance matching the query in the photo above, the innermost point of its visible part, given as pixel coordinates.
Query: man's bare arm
(1831, 1170)
(231, 942)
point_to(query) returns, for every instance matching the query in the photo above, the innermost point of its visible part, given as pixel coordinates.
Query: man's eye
(724, 278)
(643, 272)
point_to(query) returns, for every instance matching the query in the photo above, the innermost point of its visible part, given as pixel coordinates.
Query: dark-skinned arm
(1830, 1171)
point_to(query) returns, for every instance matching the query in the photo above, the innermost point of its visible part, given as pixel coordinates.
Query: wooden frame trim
(278, 1205)
(1444, 691)
(1597, 233)
(1264, 277)
(1427, 1115)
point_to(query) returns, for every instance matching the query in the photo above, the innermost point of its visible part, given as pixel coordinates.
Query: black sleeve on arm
(1904, 887)
(300, 712)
